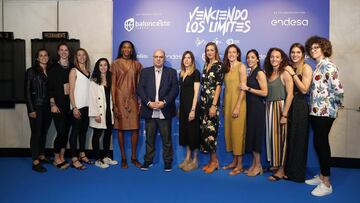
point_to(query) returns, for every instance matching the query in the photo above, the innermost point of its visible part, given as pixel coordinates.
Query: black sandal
(81, 167)
(62, 165)
(45, 161)
(274, 178)
(81, 158)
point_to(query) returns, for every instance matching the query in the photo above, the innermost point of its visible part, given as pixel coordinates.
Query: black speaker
(12, 70)
(51, 47)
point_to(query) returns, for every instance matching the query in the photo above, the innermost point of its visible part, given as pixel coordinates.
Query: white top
(97, 106)
(81, 92)
(158, 73)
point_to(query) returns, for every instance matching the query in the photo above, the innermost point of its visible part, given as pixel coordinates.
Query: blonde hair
(87, 63)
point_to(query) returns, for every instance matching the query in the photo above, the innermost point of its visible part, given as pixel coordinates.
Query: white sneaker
(314, 181)
(109, 161)
(322, 190)
(101, 164)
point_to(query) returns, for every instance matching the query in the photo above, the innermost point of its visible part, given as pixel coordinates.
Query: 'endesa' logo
(290, 22)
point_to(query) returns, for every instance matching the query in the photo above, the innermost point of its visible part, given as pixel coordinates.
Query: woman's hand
(54, 109)
(98, 119)
(76, 113)
(32, 114)
(236, 112)
(212, 111)
(243, 87)
(283, 120)
(290, 70)
(191, 115)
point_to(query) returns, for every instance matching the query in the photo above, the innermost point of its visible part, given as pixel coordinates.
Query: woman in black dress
(297, 140)
(212, 79)
(38, 108)
(256, 88)
(189, 111)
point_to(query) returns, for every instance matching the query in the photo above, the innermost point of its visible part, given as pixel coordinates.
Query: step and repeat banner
(176, 26)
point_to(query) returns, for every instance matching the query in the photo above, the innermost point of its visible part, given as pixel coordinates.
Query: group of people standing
(268, 102)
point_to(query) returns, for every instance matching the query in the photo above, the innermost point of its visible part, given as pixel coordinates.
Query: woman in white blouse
(100, 112)
(326, 96)
(79, 81)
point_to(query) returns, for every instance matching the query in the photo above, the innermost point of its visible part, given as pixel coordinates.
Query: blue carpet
(18, 183)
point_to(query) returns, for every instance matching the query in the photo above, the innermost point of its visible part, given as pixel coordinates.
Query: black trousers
(39, 128)
(62, 123)
(106, 140)
(322, 127)
(151, 127)
(79, 128)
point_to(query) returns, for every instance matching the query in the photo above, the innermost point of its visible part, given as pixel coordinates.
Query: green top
(276, 90)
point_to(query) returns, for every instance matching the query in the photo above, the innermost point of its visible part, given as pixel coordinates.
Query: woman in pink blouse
(326, 96)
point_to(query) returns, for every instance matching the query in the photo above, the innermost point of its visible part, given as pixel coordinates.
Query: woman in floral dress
(212, 79)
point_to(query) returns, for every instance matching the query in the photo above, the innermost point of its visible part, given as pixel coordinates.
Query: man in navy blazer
(158, 89)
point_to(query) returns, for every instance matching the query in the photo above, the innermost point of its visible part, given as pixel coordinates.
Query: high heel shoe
(204, 168)
(212, 167)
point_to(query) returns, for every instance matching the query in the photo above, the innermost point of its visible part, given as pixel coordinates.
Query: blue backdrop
(176, 26)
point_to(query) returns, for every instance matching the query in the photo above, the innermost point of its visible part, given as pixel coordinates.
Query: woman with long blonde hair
(79, 82)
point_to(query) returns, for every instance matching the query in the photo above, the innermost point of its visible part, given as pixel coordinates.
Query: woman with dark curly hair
(278, 102)
(100, 111)
(326, 97)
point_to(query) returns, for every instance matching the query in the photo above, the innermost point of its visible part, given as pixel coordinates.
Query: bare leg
(195, 155)
(326, 180)
(62, 154)
(232, 164)
(121, 144)
(134, 142)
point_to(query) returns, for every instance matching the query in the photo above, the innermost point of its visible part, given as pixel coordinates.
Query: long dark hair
(302, 49)
(226, 60)
(96, 74)
(267, 64)
(36, 63)
(133, 52)
(254, 51)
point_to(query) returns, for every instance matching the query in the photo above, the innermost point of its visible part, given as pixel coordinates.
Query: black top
(108, 107)
(58, 77)
(35, 89)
